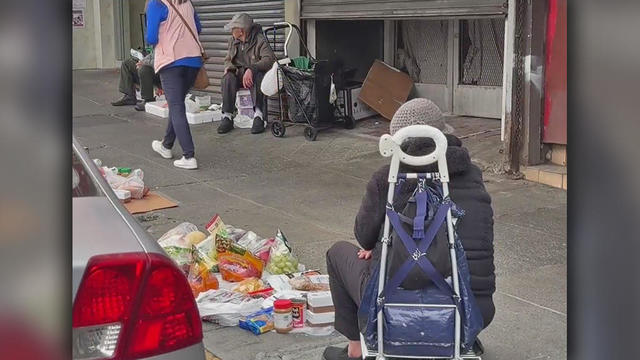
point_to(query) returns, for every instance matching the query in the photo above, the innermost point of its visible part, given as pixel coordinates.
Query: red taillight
(108, 289)
(168, 318)
(142, 300)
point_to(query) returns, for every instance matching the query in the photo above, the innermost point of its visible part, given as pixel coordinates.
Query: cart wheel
(310, 133)
(278, 129)
(349, 122)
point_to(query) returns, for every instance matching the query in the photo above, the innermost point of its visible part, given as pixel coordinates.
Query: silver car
(130, 301)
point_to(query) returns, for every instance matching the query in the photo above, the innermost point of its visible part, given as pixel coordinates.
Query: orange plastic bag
(235, 267)
(202, 279)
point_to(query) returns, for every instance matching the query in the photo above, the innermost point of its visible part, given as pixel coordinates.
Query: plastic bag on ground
(235, 267)
(242, 122)
(225, 306)
(205, 254)
(175, 244)
(257, 246)
(201, 279)
(234, 233)
(132, 183)
(281, 260)
(249, 285)
(304, 283)
(190, 105)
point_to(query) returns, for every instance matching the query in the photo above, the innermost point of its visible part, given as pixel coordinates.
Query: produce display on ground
(236, 276)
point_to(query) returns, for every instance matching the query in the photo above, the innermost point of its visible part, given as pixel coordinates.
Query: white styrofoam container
(203, 117)
(319, 299)
(320, 318)
(158, 108)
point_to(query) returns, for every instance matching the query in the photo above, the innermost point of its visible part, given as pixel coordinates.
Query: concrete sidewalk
(312, 191)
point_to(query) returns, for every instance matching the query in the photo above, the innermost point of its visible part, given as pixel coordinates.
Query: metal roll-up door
(214, 14)
(401, 9)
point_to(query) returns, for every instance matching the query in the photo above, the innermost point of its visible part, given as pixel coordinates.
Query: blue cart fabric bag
(420, 331)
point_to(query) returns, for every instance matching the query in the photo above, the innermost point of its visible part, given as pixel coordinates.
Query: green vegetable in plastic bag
(281, 260)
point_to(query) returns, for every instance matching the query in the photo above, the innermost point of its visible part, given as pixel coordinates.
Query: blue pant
(176, 82)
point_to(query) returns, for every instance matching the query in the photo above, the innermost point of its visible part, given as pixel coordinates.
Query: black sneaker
(140, 105)
(226, 125)
(258, 125)
(125, 100)
(336, 353)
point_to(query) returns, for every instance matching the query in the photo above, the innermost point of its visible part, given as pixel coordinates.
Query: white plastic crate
(157, 108)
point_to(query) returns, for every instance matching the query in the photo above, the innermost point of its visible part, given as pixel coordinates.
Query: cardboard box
(385, 89)
(157, 108)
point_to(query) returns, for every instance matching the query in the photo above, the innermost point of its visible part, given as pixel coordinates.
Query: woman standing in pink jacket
(170, 24)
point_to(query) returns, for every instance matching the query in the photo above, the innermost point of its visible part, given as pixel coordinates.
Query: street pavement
(312, 191)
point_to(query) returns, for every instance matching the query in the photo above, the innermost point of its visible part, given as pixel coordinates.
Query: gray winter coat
(253, 54)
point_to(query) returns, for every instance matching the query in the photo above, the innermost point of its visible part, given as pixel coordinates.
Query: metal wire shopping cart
(307, 84)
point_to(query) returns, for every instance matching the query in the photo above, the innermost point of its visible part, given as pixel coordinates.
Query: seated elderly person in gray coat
(349, 267)
(248, 59)
(132, 73)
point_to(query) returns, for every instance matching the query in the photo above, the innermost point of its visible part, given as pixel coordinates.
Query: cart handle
(287, 25)
(390, 146)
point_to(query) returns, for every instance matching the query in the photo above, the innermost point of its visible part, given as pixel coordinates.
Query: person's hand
(139, 64)
(364, 254)
(247, 79)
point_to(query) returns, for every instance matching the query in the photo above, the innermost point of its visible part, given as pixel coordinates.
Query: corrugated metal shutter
(214, 14)
(401, 9)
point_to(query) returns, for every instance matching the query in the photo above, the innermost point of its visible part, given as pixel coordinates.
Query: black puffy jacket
(466, 190)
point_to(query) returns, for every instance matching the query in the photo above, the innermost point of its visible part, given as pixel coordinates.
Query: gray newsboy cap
(243, 21)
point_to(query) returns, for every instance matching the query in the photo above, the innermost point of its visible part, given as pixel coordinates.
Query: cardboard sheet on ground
(385, 89)
(151, 201)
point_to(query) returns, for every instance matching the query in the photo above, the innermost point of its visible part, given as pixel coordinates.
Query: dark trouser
(130, 75)
(176, 82)
(231, 82)
(348, 276)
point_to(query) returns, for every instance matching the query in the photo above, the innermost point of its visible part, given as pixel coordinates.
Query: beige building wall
(94, 45)
(292, 15)
(84, 45)
(136, 7)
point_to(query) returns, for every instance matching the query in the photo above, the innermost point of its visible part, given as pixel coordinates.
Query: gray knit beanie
(418, 111)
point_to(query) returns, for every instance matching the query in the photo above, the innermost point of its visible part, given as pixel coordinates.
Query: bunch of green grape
(282, 264)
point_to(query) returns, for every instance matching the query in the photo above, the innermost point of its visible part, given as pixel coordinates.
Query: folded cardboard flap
(150, 202)
(385, 89)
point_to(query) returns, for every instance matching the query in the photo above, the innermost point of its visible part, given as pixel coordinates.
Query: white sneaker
(157, 146)
(189, 164)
